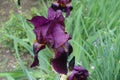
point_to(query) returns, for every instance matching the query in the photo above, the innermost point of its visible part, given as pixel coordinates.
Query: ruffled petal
(41, 27)
(51, 14)
(59, 36)
(56, 15)
(38, 21)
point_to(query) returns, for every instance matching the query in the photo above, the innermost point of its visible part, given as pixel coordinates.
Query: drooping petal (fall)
(36, 48)
(59, 62)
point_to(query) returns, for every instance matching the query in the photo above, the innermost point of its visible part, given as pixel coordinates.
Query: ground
(7, 59)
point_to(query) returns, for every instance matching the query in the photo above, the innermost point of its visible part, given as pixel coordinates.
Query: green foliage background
(95, 29)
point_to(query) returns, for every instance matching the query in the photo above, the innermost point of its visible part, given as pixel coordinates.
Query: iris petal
(78, 73)
(35, 62)
(38, 21)
(56, 16)
(36, 48)
(60, 37)
(59, 63)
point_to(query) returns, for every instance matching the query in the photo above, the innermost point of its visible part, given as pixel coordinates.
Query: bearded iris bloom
(78, 73)
(63, 5)
(51, 31)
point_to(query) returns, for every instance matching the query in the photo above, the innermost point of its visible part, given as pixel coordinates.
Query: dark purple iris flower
(51, 31)
(64, 5)
(78, 73)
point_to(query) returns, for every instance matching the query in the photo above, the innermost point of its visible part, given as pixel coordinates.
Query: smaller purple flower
(78, 73)
(63, 5)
